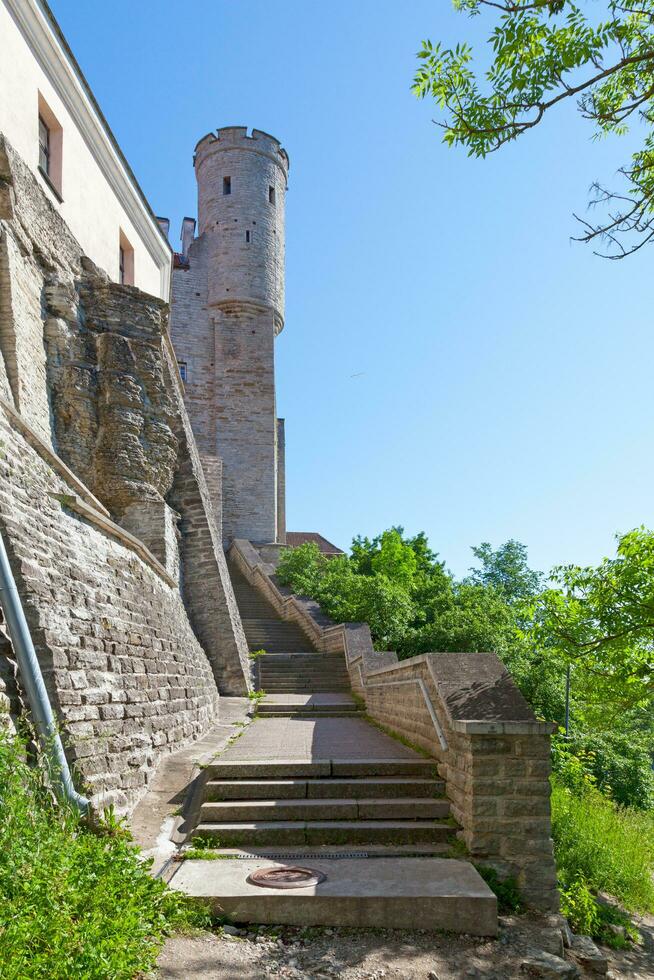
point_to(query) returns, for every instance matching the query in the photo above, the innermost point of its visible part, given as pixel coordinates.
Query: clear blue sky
(503, 382)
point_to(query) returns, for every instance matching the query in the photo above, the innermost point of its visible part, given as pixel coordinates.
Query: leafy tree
(364, 549)
(469, 618)
(544, 53)
(601, 619)
(395, 559)
(507, 571)
(619, 763)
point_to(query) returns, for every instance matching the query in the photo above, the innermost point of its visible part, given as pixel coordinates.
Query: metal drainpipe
(35, 688)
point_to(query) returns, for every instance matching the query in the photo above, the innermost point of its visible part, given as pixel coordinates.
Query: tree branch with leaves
(545, 53)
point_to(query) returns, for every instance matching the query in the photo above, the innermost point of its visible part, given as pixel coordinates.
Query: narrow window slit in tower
(271, 195)
(247, 236)
(227, 185)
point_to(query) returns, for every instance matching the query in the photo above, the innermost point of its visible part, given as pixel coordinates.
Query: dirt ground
(349, 954)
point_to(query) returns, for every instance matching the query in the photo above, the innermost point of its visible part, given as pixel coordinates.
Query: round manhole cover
(286, 877)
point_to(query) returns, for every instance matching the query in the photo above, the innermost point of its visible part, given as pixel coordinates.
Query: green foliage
(255, 654)
(610, 848)
(580, 908)
(73, 903)
(395, 559)
(601, 619)
(507, 571)
(589, 917)
(542, 54)
(302, 568)
(348, 596)
(619, 763)
(412, 604)
(506, 889)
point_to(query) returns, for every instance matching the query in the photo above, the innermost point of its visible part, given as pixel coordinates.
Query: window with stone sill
(50, 147)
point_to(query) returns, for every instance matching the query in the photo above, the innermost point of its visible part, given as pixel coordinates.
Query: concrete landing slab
(397, 893)
(315, 739)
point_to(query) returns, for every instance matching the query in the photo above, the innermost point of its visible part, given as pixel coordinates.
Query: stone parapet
(464, 710)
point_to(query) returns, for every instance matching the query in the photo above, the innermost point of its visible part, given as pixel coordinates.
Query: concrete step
(273, 832)
(308, 713)
(393, 893)
(303, 675)
(326, 688)
(300, 789)
(306, 670)
(343, 707)
(317, 768)
(304, 656)
(297, 687)
(400, 808)
(303, 853)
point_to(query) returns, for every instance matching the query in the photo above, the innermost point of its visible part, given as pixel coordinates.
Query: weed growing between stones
(75, 899)
(256, 695)
(255, 654)
(505, 889)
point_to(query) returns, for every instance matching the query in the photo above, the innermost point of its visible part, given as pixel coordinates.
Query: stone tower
(227, 309)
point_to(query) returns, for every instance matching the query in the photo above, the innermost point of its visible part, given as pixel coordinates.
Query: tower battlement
(237, 137)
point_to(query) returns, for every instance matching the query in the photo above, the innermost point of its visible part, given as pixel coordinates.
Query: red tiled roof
(295, 538)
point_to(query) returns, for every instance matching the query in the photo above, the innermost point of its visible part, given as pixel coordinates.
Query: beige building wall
(100, 199)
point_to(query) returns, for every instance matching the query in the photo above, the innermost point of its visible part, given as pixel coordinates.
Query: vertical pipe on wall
(35, 688)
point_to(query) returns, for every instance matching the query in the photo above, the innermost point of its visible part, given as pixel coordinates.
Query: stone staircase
(377, 830)
(264, 630)
(306, 805)
(310, 782)
(302, 673)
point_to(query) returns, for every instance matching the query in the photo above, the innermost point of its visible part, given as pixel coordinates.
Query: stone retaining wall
(104, 507)
(465, 710)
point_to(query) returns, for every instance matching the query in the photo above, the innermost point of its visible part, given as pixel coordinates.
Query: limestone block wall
(192, 334)
(104, 508)
(246, 421)
(124, 670)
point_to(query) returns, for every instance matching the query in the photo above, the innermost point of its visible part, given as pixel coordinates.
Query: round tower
(242, 183)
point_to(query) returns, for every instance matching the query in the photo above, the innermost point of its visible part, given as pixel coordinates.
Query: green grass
(610, 848)
(74, 901)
